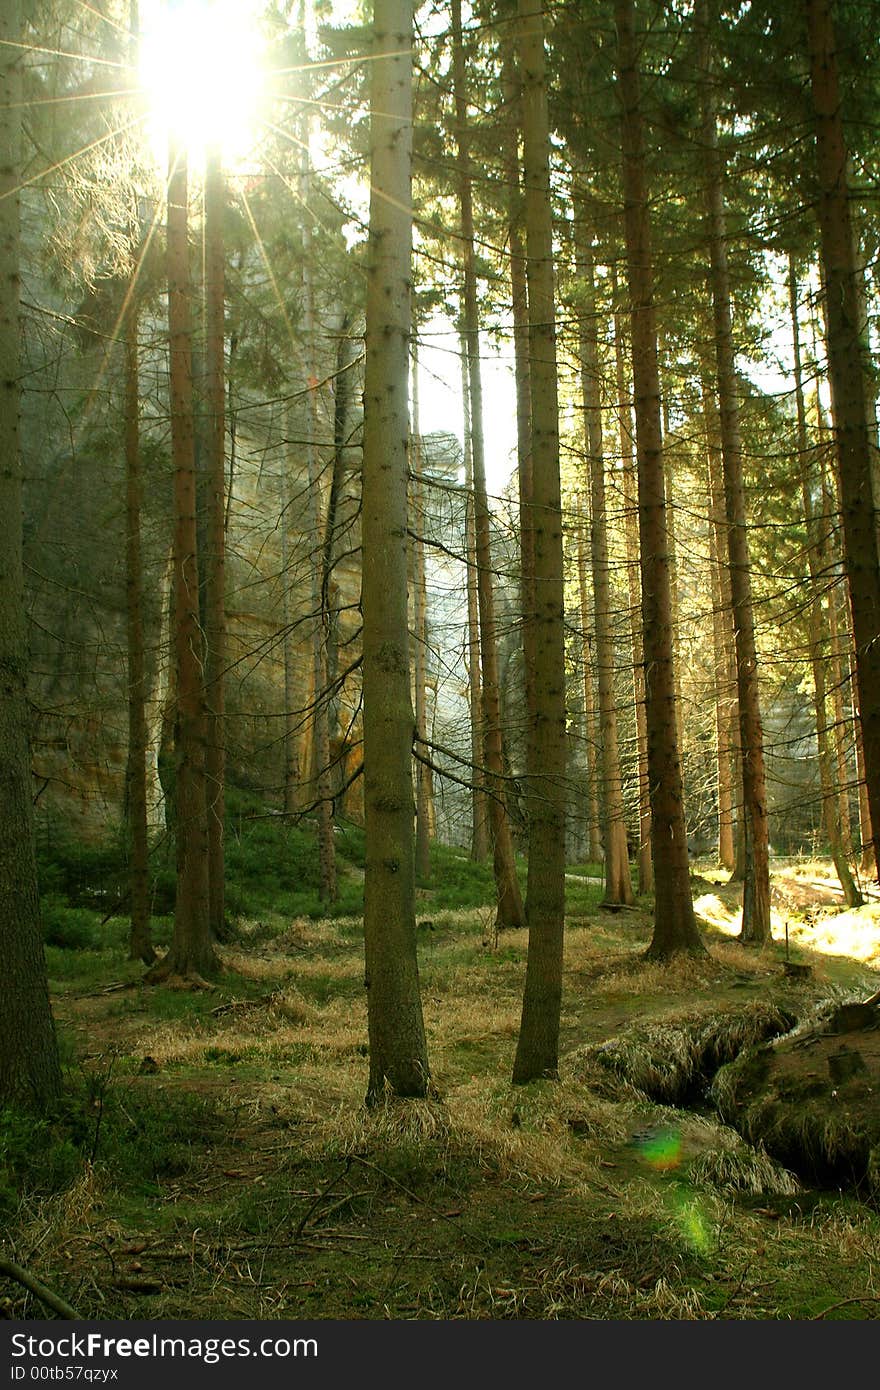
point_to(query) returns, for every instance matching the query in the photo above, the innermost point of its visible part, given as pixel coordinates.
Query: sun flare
(202, 74)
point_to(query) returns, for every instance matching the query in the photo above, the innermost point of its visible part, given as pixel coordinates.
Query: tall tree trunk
(591, 738)
(839, 625)
(869, 378)
(420, 636)
(847, 388)
(675, 927)
(519, 301)
(815, 547)
(510, 912)
(537, 1051)
(214, 578)
(723, 760)
(868, 861)
(191, 949)
(480, 829)
(725, 677)
(398, 1050)
(342, 388)
(727, 716)
(841, 676)
(291, 723)
(674, 604)
(756, 890)
(320, 716)
(842, 653)
(140, 946)
(618, 881)
(631, 536)
(30, 1074)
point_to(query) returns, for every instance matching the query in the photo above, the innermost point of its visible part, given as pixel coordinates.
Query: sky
(440, 403)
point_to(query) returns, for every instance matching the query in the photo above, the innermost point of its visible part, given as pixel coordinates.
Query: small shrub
(85, 874)
(70, 928)
(38, 1156)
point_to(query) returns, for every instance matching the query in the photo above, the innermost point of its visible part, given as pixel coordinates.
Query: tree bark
(817, 625)
(519, 304)
(214, 582)
(291, 723)
(591, 738)
(842, 653)
(30, 1074)
(320, 715)
(847, 388)
(675, 928)
(841, 677)
(631, 534)
(191, 950)
(756, 891)
(725, 677)
(537, 1052)
(618, 880)
(420, 637)
(509, 912)
(727, 701)
(398, 1050)
(480, 829)
(140, 945)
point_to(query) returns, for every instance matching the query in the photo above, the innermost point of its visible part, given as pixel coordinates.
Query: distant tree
(594, 813)
(846, 373)
(30, 1074)
(509, 911)
(618, 882)
(817, 626)
(140, 940)
(191, 952)
(424, 790)
(519, 307)
(756, 889)
(398, 1050)
(724, 680)
(213, 563)
(480, 831)
(631, 535)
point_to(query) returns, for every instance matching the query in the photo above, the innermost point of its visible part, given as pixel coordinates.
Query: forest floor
(221, 1164)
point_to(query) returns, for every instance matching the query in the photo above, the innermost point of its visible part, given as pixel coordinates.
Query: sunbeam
(269, 270)
(99, 14)
(68, 159)
(107, 95)
(63, 53)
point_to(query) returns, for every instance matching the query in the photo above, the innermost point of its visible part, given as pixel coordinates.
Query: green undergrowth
(272, 871)
(212, 1156)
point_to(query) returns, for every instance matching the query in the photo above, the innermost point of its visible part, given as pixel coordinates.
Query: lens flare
(202, 74)
(661, 1149)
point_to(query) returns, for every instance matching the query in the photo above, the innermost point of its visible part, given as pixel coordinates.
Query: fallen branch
(39, 1290)
(832, 1307)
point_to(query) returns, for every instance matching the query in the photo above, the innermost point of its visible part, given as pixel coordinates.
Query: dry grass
(669, 1058)
(484, 1200)
(739, 1167)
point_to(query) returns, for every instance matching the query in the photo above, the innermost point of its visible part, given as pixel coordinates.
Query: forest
(440, 744)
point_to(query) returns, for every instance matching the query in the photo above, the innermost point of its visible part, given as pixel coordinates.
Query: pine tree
(675, 926)
(30, 1074)
(191, 952)
(845, 369)
(398, 1051)
(538, 1042)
